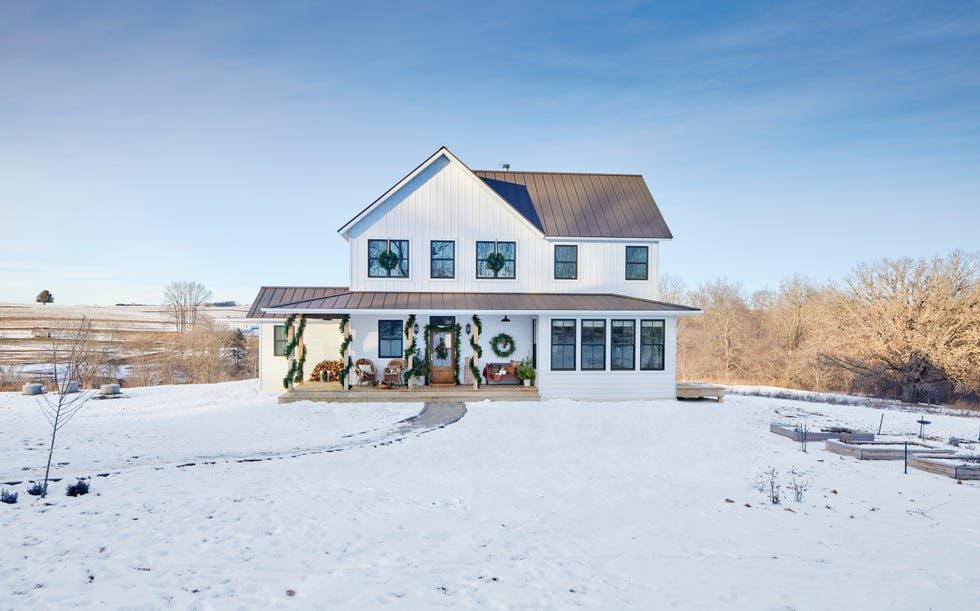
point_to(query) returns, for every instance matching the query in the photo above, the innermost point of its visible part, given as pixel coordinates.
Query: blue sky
(226, 142)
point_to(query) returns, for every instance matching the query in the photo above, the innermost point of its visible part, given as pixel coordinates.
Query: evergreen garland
(345, 372)
(295, 373)
(411, 351)
(477, 350)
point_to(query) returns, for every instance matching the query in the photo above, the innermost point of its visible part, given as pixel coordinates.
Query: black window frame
(381, 272)
(279, 343)
(592, 345)
(397, 325)
(615, 358)
(433, 259)
(565, 346)
(573, 261)
(634, 264)
(662, 344)
(496, 275)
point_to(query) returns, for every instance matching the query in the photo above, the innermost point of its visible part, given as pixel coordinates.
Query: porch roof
(412, 302)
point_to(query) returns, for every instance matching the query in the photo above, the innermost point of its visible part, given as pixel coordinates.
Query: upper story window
(279, 340)
(388, 266)
(566, 262)
(652, 345)
(490, 265)
(442, 262)
(637, 263)
(390, 339)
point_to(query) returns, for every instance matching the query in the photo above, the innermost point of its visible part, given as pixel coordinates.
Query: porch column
(411, 357)
(346, 356)
(475, 359)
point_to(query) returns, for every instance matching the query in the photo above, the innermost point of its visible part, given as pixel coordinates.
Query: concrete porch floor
(332, 392)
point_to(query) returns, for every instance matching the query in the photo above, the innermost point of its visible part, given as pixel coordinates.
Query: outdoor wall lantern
(415, 329)
(469, 329)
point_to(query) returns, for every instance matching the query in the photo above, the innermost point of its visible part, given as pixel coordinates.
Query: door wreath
(502, 345)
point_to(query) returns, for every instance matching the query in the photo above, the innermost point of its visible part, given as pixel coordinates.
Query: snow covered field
(545, 505)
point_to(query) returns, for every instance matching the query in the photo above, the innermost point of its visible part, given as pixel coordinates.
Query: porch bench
(492, 375)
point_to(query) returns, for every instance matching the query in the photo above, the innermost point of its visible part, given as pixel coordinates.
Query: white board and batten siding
(607, 385)
(445, 201)
(321, 338)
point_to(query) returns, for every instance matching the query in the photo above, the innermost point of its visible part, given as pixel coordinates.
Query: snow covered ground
(547, 505)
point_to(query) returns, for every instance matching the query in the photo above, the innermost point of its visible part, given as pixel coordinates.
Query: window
(623, 344)
(279, 340)
(652, 345)
(637, 263)
(507, 249)
(563, 345)
(442, 259)
(593, 345)
(390, 339)
(566, 262)
(376, 247)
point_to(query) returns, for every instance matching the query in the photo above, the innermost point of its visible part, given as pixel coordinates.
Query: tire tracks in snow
(434, 416)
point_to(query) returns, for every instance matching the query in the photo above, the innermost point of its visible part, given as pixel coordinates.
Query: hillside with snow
(215, 497)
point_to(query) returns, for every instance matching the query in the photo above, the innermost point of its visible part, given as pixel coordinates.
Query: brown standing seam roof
(581, 205)
(346, 301)
(270, 296)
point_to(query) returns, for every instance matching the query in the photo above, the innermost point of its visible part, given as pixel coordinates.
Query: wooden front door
(441, 369)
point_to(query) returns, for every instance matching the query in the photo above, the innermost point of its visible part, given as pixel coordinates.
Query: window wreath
(502, 345)
(496, 261)
(388, 259)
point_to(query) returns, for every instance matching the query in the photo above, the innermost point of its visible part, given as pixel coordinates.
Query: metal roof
(270, 296)
(350, 301)
(570, 205)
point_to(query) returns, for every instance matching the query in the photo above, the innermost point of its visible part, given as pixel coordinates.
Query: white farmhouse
(558, 269)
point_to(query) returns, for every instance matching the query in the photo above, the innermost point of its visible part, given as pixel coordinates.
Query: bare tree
(720, 336)
(184, 301)
(910, 322)
(66, 366)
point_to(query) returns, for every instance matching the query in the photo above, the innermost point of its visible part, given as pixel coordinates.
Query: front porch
(333, 392)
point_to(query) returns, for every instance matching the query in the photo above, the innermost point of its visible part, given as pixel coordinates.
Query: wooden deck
(700, 390)
(332, 392)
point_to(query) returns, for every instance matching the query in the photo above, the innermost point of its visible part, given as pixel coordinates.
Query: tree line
(897, 328)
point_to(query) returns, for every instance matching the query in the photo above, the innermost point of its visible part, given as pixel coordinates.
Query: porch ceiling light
(505, 319)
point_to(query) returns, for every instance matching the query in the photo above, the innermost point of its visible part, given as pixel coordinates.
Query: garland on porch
(345, 372)
(457, 331)
(502, 345)
(412, 351)
(295, 373)
(477, 350)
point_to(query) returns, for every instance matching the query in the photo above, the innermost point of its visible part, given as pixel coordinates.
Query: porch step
(331, 392)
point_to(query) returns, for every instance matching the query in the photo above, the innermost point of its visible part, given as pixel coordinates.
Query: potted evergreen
(525, 371)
